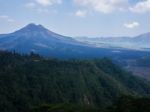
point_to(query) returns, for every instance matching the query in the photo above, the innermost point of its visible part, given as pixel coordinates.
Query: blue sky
(93, 18)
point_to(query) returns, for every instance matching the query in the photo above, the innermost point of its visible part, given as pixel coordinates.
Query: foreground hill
(30, 81)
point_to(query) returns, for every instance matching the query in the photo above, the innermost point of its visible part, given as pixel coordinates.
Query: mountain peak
(31, 29)
(31, 25)
(35, 27)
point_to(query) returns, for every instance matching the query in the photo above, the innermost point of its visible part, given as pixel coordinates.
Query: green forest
(31, 83)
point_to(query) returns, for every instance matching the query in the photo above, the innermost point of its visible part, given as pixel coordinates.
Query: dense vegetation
(123, 104)
(29, 81)
(131, 104)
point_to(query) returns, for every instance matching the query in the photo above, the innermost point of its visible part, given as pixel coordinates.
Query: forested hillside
(28, 81)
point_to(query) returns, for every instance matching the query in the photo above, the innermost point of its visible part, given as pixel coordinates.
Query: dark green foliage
(123, 104)
(29, 81)
(64, 108)
(131, 104)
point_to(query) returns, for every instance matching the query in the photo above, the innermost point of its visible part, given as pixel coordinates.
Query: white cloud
(131, 25)
(43, 11)
(141, 7)
(11, 20)
(48, 2)
(41, 6)
(81, 13)
(30, 5)
(6, 18)
(104, 6)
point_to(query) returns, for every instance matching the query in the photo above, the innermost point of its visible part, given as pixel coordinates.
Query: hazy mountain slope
(140, 42)
(27, 81)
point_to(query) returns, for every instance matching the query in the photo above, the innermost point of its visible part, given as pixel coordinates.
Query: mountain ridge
(139, 42)
(38, 39)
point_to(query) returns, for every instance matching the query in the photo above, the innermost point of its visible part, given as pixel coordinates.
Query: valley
(140, 71)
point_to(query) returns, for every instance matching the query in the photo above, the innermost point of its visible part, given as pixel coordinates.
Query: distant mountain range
(140, 42)
(38, 39)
